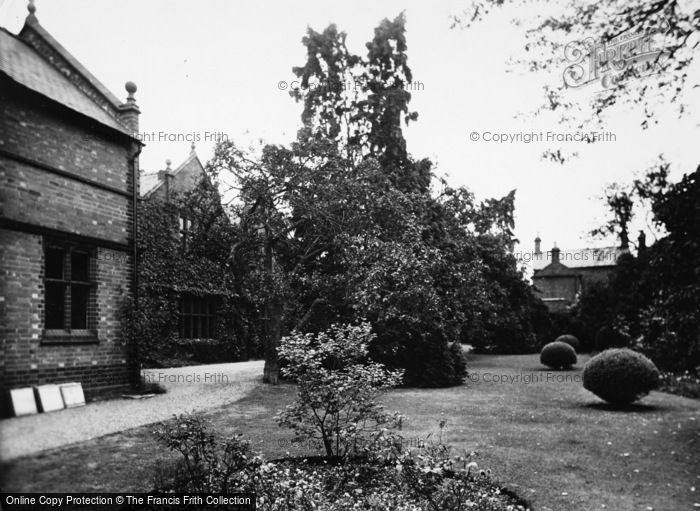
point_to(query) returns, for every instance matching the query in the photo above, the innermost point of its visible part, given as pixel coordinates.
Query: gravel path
(189, 388)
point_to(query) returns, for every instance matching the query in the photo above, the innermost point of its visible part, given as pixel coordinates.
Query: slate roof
(150, 181)
(22, 63)
(577, 258)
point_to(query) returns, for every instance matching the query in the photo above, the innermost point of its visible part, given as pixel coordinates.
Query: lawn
(549, 440)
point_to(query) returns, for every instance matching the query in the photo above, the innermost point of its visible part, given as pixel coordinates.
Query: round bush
(620, 376)
(570, 340)
(558, 355)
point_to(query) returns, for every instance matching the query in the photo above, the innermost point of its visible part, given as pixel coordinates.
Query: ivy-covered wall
(172, 266)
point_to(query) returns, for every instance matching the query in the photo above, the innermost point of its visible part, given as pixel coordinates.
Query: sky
(214, 68)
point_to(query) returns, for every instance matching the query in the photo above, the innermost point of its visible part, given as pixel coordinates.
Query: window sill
(69, 337)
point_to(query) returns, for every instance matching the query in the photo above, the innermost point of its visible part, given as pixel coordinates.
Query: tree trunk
(271, 373)
(273, 334)
(273, 323)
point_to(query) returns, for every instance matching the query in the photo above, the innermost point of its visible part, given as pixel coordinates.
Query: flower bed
(367, 464)
(428, 477)
(686, 384)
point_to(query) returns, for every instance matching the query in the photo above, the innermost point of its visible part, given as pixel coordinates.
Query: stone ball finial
(130, 88)
(31, 7)
(168, 162)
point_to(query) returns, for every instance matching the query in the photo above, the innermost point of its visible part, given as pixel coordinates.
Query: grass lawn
(551, 441)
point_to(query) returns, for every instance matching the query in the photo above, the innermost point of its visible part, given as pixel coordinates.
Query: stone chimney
(555, 253)
(129, 111)
(538, 241)
(167, 177)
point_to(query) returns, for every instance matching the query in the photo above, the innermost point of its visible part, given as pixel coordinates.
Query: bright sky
(213, 66)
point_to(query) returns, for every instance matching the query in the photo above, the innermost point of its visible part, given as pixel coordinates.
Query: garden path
(189, 388)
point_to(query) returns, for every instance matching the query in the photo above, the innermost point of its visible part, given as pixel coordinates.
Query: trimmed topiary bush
(558, 355)
(620, 376)
(570, 340)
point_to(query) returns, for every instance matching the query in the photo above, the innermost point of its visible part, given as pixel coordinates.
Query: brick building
(166, 182)
(198, 314)
(69, 174)
(182, 205)
(560, 276)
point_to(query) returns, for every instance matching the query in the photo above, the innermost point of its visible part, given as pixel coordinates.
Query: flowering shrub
(686, 384)
(207, 464)
(337, 389)
(428, 477)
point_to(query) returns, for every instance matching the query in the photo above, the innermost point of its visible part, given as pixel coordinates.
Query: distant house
(69, 173)
(198, 300)
(561, 275)
(164, 183)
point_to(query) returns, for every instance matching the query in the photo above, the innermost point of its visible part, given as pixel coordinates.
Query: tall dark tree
(653, 298)
(293, 207)
(362, 103)
(620, 203)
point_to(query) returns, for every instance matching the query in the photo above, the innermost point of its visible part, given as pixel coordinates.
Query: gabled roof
(579, 258)
(35, 60)
(555, 269)
(151, 181)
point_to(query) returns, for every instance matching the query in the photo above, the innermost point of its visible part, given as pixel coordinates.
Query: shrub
(389, 475)
(686, 384)
(570, 340)
(620, 376)
(208, 464)
(423, 354)
(669, 336)
(608, 337)
(459, 361)
(558, 355)
(337, 387)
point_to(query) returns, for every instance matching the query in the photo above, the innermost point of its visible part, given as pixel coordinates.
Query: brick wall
(69, 207)
(31, 194)
(35, 196)
(28, 358)
(35, 129)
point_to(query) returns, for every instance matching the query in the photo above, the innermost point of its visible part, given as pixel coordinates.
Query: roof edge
(45, 45)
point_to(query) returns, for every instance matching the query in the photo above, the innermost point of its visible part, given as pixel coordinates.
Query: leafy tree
(674, 276)
(567, 26)
(293, 205)
(625, 201)
(653, 78)
(342, 225)
(620, 202)
(361, 103)
(653, 297)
